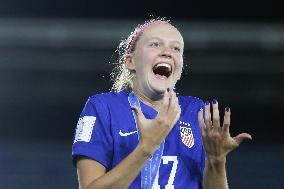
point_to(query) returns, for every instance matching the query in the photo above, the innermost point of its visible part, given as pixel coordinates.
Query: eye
(154, 44)
(176, 49)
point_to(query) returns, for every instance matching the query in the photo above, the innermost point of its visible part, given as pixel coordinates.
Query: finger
(216, 117)
(243, 136)
(165, 103)
(174, 108)
(177, 115)
(172, 102)
(226, 124)
(207, 114)
(139, 114)
(201, 124)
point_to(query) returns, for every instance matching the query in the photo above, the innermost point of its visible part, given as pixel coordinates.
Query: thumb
(139, 114)
(243, 136)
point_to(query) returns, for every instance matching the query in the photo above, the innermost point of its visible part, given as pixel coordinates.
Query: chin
(160, 88)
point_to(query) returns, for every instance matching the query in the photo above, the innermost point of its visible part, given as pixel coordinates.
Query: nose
(166, 54)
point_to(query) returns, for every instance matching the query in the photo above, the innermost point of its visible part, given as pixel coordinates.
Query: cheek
(146, 59)
(179, 62)
(149, 55)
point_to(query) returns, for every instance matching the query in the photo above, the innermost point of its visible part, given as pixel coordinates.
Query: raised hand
(217, 140)
(154, 131)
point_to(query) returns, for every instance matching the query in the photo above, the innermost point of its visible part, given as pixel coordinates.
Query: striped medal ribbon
(151, 167)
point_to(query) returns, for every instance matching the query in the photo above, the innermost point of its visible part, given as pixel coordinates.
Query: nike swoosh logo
(126, 134)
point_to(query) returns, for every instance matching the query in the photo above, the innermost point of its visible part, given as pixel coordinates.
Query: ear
(129, 63)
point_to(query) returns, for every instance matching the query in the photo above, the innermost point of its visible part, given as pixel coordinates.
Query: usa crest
(186, 134)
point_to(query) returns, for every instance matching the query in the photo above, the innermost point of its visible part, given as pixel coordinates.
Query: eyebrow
(158, 38)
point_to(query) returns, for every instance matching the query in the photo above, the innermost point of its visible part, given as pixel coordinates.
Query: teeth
(165, 65)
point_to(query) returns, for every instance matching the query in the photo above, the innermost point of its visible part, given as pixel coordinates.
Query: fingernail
(175, 90)
(207, 103)
(227, 109)
(214, 101)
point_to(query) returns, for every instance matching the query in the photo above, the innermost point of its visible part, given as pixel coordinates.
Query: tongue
(160, 76)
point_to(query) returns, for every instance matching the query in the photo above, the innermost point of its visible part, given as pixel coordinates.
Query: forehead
(164, 31)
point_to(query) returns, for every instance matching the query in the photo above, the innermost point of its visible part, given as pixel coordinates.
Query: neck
(146, 100)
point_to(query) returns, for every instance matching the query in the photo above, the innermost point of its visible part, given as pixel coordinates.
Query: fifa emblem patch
(85, 128)
(186, 134)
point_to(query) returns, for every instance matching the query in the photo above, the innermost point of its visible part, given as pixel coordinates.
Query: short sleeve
(93, 137)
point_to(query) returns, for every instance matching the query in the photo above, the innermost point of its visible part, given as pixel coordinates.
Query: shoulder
(108, 102)
(108, 97)
(104, 105)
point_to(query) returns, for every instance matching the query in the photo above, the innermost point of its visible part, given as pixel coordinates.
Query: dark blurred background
(54, 54)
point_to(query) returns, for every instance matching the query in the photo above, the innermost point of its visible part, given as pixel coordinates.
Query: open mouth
(162, 70)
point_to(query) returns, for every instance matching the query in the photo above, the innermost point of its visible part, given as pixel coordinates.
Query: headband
(139, 30)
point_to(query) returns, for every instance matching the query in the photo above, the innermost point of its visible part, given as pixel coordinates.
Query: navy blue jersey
(106, 132)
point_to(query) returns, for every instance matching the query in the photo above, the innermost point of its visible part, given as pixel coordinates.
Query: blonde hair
(120, 75)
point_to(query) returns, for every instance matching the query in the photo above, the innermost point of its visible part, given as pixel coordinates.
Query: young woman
(142, 135)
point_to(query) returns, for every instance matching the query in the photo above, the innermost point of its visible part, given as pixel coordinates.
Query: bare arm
(215, 175)
(92, 175)
(217, 143)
